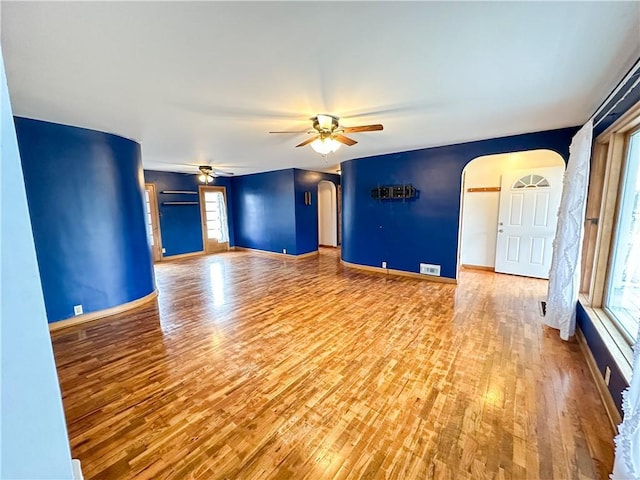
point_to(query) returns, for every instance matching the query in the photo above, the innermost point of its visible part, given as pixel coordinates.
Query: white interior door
(527, 218)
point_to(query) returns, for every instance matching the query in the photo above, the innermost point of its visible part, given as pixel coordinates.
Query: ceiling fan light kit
(208, 174)
(329, 134)
(323, 122)
(325, 146)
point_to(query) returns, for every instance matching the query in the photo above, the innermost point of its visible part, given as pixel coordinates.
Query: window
(147, 202)
(622, 299)
(531, 181)
(215, 211)
(610, 284)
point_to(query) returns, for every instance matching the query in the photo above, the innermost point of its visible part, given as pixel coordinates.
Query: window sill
(614, 341)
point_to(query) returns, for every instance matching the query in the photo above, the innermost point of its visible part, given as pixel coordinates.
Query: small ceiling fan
(328, 134)
(208, 173)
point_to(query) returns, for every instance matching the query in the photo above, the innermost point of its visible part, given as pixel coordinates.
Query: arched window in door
(531, 181)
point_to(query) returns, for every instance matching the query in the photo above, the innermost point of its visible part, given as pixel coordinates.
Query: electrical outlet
(607, 375)
(284, 250)
(384, 264)
(77, 309)
(164, 250)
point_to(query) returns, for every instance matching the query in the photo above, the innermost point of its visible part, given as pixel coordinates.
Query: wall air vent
(429, 269)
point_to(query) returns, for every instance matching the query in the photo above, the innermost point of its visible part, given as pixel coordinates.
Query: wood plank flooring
(254, 367)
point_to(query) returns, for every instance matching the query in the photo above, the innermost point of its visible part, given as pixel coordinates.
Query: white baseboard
(77, 469)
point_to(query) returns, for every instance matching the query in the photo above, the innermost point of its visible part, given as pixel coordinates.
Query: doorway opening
(213, 210)
(152, 220)
(508, 212)
(327, 214)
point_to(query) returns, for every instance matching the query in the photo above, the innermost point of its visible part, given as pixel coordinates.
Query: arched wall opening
(427, 229)
(327, 214)
(480, 198)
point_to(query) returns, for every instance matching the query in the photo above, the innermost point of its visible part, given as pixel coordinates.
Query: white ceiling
(204, 82)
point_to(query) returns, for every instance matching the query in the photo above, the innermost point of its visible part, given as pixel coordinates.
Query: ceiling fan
(208, 173)
(328, 134)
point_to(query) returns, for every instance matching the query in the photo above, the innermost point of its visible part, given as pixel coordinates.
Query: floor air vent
(429, 269)
(543, 309)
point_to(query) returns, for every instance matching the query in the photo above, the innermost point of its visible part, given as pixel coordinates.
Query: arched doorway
(480, 236)
(327, 215)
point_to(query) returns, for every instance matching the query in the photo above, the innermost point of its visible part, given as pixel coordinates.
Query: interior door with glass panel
(215, 229)
(527, 219)
(153, 221)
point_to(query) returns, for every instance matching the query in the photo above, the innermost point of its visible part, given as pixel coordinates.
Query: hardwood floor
(254, 367)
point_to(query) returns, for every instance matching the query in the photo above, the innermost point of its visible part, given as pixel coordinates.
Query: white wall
(480, 209)
(327, 215)
(34, 442)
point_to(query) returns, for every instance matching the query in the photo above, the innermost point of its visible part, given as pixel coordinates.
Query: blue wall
(33, 437)
(425, 229)
(602, 356)
(618, 104)
(264, 211)
(85, 194)
(180, 225)
(270, 214)
(307, 215)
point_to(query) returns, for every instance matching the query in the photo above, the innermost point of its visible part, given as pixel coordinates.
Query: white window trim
(615, 140)
(615, 342)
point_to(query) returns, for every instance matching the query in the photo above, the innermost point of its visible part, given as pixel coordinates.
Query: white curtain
(223, 218)
(627, 461)
(564, 276)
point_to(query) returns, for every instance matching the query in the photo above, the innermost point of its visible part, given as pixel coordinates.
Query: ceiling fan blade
(202, 107)
(412, 108)
(308, 141)
(362, 128)
(291, 131)
(345, 140)
(223, 173)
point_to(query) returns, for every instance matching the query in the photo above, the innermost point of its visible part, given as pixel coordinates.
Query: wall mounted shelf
(180, 203)
(394, 192)
(184, 192)
(483, 189)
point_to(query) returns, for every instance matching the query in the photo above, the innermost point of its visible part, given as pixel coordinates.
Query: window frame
(615, 234)
(608, 167)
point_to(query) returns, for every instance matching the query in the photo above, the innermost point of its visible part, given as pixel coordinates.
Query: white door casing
(213, 211)
(327, 215)
(527, 218)
(152, 221)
